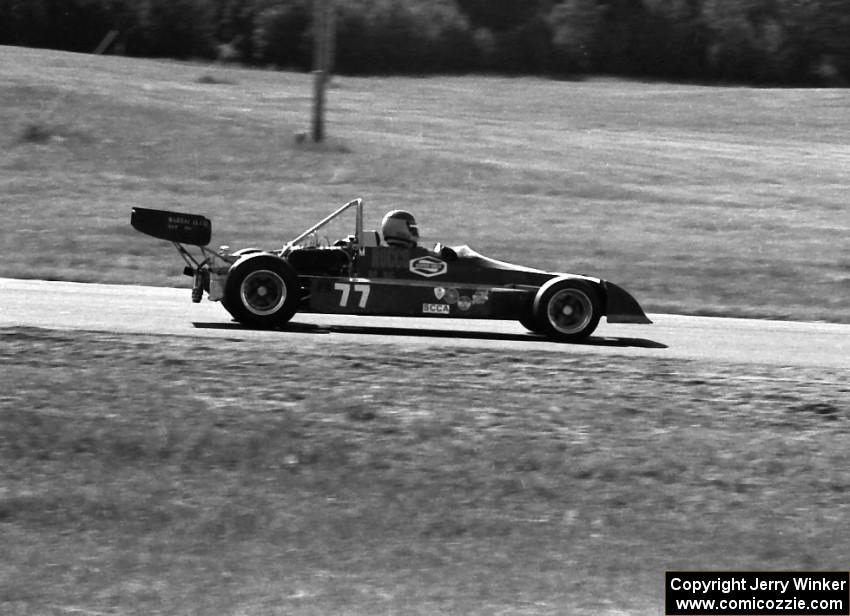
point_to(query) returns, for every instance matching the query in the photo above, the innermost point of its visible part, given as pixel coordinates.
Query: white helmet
(399, 229)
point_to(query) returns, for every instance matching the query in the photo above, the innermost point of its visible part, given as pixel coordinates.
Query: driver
(399, 229)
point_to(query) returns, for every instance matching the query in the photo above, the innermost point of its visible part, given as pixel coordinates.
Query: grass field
(149, 475)
(137, 480)
(699, 200)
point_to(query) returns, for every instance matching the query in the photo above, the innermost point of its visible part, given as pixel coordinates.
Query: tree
(282, 34)
(752, 41)
(575, 26)
(24, 22)
(176, 29)
(235, 24)
(503, 14)
(672, 39)
(406, 36)
(817, 33)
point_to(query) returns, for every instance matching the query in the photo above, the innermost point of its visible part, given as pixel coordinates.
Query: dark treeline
(755, 41)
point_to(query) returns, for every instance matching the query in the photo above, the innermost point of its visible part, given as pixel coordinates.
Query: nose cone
(621, 307)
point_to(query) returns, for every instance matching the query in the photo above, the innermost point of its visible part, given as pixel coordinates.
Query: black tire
(262, 290)
(567, 310)
(239, 253)
(528, 321)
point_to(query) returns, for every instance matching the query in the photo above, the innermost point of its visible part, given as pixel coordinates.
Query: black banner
(757, 593)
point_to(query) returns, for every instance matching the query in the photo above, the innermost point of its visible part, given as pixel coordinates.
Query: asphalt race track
(169, 311)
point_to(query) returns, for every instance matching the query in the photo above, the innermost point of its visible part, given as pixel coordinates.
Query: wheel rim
(263, 292)
(570, 311)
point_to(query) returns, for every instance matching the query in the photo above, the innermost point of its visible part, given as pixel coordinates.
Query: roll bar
(358, 225)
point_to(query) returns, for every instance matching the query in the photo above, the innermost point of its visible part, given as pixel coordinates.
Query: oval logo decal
(428, 266)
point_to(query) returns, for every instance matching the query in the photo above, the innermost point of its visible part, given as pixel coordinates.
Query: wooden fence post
(323, 33)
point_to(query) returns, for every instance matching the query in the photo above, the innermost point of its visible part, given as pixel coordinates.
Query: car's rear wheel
(567, 309)
(261, 290)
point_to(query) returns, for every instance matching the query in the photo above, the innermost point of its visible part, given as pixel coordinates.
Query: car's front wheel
(567, 309)
(261, 290)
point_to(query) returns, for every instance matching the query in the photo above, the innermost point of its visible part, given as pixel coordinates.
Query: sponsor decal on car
(480, 297)
(435, 309)
(428, 266)
(389, 259)
(186, 220)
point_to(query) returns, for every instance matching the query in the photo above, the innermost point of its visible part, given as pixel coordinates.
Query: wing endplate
(621, 307)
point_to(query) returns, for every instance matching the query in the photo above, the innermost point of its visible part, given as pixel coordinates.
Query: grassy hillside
(139, 481)
(699, 200)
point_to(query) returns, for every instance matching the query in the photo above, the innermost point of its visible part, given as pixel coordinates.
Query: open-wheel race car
(362, 275)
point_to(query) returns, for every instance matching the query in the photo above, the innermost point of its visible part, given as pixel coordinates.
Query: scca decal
(428, 266)
(436, 309)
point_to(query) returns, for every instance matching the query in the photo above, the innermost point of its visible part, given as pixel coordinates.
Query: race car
(361, 275)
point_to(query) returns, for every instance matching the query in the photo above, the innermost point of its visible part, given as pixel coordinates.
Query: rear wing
(172, 226)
